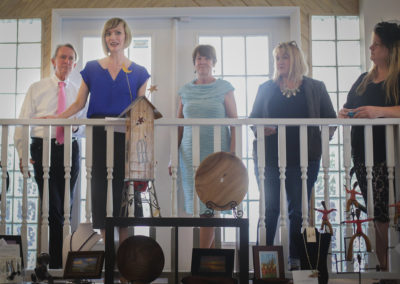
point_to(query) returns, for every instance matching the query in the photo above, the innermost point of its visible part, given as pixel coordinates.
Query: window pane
(348, 27)
(29, 55)
(30, 30)
(333, 97)
(26, 77)
(349, 53)
(240, 93)
(323, 53)
(216, 43)
(326, 75)
(253, 220)
(253, 192)
(257, 55)
(7, 106)
(140, 51)
(342, 99)
(8, 30)
(8, 55)
(233, 56)
(252, 87)
(7, 81)
(323, 27)
(347, 77)
(92, 49)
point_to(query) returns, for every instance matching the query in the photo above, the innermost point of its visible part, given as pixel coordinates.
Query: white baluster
(325, 167)
(238, 152)
(174, 170)
(261, 168)
(89, 164)
(393, 256)
(45, 201)
(25, 169)
(110, 166)
(67, 176)
(369, 162)
(283, 200)
(4, 159)
(347, 167)
(217, 138)
(303, 167)
(196, 163)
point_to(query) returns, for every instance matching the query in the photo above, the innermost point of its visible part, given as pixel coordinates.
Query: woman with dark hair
(204, 97)
(376, 94)
(290, 94)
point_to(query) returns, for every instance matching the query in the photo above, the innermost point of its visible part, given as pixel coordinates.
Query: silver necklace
(287, 92)
(314, 272)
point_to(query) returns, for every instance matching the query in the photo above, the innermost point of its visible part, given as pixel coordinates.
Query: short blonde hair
(110, 24)
(298, 67)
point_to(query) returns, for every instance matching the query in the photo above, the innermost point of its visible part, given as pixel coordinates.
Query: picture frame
(84, 265)
(212, 262)
(268, 262)
(15, 240)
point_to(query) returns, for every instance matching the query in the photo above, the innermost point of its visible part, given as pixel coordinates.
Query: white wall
(372, 12)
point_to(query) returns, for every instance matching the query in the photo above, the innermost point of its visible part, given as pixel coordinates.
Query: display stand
(242, 245)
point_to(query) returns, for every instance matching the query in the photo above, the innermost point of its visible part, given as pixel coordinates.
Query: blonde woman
(113, 83)
(290, 94)
(376, 94)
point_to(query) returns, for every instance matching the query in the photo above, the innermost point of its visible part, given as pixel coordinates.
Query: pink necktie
(60, 109)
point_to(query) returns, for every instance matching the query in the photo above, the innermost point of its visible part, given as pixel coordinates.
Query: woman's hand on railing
(170, 167)
(269, 130)
(345, 113)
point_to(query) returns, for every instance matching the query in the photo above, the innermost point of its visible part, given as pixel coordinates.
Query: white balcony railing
(166, 131)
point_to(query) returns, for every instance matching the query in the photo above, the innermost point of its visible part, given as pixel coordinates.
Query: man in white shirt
(42, 100)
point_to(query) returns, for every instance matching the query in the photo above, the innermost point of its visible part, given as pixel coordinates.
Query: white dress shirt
(41, 100)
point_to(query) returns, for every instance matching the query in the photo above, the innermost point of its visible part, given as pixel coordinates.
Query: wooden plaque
(222, 179)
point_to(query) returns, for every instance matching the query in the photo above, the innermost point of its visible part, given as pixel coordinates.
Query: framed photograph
(268, 262)
(212, 262)
(14, 240)
(84, 265)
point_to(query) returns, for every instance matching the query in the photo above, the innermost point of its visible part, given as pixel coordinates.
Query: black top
(374, 95)
(283, 107)
(312, 250)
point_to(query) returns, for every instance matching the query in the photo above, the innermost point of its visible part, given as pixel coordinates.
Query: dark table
(241, 223)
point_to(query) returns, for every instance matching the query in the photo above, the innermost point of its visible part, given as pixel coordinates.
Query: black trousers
(56, 191)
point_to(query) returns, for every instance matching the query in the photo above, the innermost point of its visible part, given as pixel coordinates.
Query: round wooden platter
(222, 179)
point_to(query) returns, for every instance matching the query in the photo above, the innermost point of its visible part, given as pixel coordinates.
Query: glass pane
(349, 53)
(7, 81)
(342, 99)
(333, 98)
(323, 27)
(240, 93)
(29, 55)
(233, 56)
(253, 220)
(253, 192)
(92, 49)
(8, 30)
(7, 106)
(30, 30)
(17, 214)
(140, 52)
(25, 78)
(334, 158)
(348, 27)
(32, 236)
(8, 55)
(347, 77)
(257, 55)
(252, 87)
(215, 41)
(323, 53)
(326, 75)
(32, 210)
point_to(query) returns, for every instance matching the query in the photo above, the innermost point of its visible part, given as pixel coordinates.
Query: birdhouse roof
(156, 113)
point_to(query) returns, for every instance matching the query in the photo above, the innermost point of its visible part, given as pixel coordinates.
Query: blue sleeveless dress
(201, 101)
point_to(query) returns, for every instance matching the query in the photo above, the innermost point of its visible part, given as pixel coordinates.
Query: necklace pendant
(314, 274)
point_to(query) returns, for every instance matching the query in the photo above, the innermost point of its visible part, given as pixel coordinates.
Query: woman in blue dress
(204, 97)
(106, 80)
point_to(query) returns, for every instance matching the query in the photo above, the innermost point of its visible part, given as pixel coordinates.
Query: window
(244, 62)
(20, 65)
(335, 61)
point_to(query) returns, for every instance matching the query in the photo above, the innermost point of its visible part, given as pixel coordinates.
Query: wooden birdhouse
(139, 141)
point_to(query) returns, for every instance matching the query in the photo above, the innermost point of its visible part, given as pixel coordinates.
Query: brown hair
(205, 50)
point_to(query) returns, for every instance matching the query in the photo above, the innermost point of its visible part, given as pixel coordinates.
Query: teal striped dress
(201, 101)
